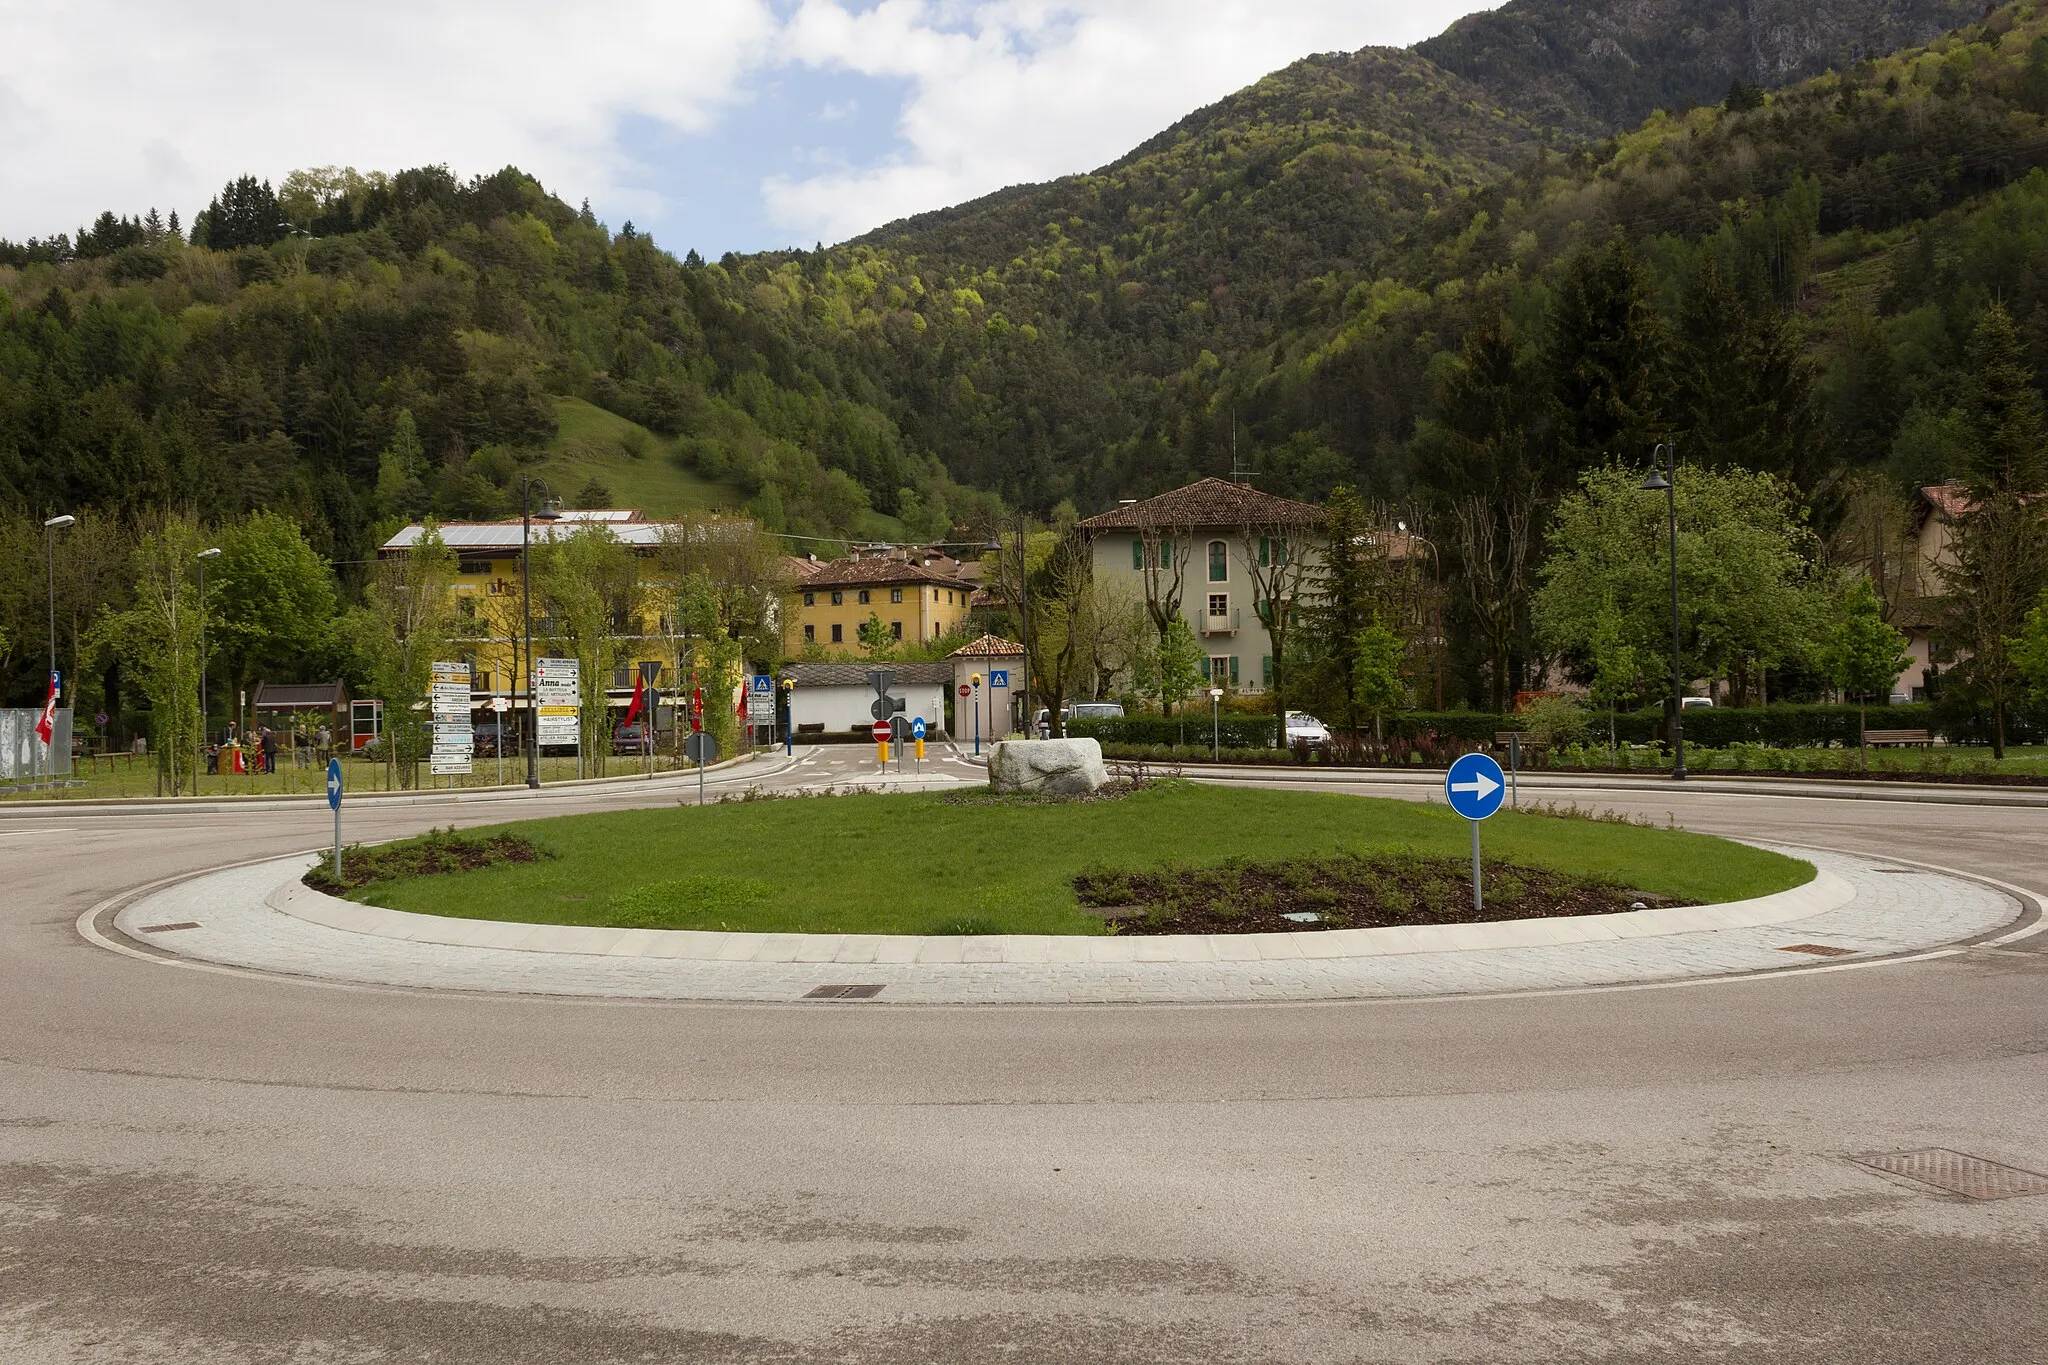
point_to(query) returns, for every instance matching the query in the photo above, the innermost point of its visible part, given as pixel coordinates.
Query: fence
(21, 749)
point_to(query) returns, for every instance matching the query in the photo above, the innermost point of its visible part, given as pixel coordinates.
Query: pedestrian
(266, 747)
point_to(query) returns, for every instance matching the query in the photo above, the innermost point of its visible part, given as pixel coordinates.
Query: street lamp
(50, 529)
(1666, 453)
(1023, 619)
(1436, 610)
(204, 555)
(549, 510)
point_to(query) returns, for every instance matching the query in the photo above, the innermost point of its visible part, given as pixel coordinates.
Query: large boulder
(1047, 767)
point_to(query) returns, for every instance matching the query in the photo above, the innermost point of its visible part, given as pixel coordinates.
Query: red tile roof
(988, 647)
(1209, 502)
(866, 573)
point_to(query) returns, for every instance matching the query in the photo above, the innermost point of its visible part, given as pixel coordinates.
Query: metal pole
(1024, 621)
(1677, 682)
(526, 609)
(1215, 726)
(337, 843)
(1478, 898)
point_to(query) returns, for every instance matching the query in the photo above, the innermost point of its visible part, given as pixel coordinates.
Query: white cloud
(121, 103)
(127, 103)
(1005, 91)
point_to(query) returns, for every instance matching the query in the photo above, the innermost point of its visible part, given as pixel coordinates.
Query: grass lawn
(933, 864)
(592, 443)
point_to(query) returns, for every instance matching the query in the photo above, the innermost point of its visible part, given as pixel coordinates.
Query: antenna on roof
(1238, 474)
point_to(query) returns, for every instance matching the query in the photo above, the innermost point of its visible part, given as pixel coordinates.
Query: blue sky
(724, 125)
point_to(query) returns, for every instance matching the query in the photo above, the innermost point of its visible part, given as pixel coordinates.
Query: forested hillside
(1366, 268)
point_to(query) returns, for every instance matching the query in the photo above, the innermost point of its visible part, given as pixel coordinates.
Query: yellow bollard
(882, 752)
(920, 751)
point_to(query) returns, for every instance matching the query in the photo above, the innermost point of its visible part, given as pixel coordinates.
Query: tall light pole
(1436, 609)
(204, 555)
(50, 529)
(527, 514)
(995, 545)
(1667, 453)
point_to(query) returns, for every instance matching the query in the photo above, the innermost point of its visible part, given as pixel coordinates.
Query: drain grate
(1958, 1172)
(864, 992)
(166, 928)
(1817, 949)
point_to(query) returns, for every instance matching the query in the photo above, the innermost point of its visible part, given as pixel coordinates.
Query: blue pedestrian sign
(917, 728)
(999, 677)
(1475, 786)
(764, 684)
(334, 783)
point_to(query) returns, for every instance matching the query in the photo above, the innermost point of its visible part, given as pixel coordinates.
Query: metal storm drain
(865, 992)
(166, 928)
(1958, 1172)
(1817, 949)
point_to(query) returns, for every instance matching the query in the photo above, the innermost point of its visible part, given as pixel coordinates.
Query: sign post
(1216, 724)
(998, 677)
(761, 704)
(700, 748)
(556, 702)
(880, 730)
(1474, 786)
(334, 800)
(975, 679)
(499, 706)
(789, 728)
(454, 733)
(917, 733)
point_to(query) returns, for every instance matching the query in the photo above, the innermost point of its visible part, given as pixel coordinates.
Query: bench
(1879, 739)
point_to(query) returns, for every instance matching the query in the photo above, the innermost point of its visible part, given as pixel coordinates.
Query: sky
(718, 125)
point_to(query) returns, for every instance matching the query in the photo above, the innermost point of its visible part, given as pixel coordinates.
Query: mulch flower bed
(438, 851)
(1347, 891)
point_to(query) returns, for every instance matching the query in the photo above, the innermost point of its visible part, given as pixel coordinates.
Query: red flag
(633, 709)
(46, 724)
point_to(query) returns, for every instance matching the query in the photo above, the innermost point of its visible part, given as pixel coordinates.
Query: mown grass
(934, 864)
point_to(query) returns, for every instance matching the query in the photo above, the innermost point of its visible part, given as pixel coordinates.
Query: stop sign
(965, 690)
(880, 730)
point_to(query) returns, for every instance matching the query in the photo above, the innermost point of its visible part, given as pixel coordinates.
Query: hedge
(1236, 732)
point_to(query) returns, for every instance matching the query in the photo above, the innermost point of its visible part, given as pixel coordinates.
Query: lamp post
(50, 529)
(204, 555)
(1023, 622)
(527, 513)
(1666, 452)
(1436, 610)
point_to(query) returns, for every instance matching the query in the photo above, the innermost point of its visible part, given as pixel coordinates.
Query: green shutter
(1138, 553)
(1233, 670)
(1265, 552)
(1166, 555)
(1266, 669)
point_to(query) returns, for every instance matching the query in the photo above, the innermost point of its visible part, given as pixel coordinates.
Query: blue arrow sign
(1475, 786)
(334, 783)
(917, 728)
(999, 677)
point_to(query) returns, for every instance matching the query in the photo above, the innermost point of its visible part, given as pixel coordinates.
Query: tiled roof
(856, 675)
(840, 573)
(988, 647)
(1952, 500)
(1209, 502)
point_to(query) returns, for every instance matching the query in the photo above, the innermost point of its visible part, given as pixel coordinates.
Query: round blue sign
(334, 783)
(1475, 786)
(917, 728)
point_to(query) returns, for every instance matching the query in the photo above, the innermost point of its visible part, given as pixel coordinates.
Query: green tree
(1863, 654)
(591, 584)
(272, 599)
(1604, 358)
(404, 627)
(1747, 587)
(875, 640)
(402, 471)
(1180, 664)
(157, 641)
(1376, 685)
(1616, 665)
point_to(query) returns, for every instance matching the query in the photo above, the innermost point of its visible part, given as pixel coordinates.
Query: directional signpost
(1474, 787)
(556, 720)
(334, 800)
(761, 703)
(454, 735)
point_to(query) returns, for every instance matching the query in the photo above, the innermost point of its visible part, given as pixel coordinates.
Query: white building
(835, 699)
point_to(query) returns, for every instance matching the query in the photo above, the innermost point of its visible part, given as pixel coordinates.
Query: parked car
(1304, 730)
(1078, 710)
(630, 739)
(1695, 703)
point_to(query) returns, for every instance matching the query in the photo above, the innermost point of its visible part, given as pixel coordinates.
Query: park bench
(1879, 739)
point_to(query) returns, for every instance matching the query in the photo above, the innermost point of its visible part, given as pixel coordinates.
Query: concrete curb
(1927, 794)
(1825, 892)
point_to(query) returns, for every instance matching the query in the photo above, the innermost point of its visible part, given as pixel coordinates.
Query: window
(810, 633)
(838, 635)
(1166, 555)
(1141, 558)
(1219, 604)
(1272, 550)
(810, 599)
(1266, 670)
(1219, 562)
(1233, 670)
(895, 630)
(838, 598)
(895, 594)
(1138, 553)
(468, 564)
(863, 596)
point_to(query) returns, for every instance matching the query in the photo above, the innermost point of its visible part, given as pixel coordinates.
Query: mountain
(1592, 69)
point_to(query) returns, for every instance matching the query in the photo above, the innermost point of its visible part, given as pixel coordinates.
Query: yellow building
(489, 616)
(917, 596)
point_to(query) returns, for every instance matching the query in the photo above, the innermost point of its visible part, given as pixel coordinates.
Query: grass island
(973, 863)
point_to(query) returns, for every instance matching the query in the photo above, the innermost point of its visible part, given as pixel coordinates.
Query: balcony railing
(1220, 625)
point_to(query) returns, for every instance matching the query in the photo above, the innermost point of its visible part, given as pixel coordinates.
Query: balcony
(1223, 624)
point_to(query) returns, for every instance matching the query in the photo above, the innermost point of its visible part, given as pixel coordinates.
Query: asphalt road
(201, 1166)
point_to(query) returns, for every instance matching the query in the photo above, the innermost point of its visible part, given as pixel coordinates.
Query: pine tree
(2003, 412)
(1604, 360)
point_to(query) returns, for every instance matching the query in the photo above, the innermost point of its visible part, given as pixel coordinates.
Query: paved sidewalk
(229, 920)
